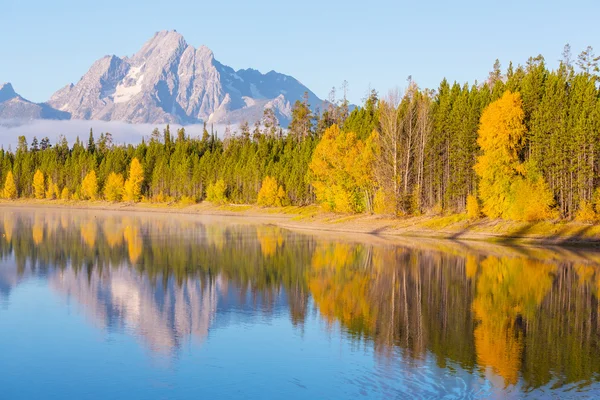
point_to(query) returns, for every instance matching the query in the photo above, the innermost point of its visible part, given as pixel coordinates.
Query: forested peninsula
(523, 146)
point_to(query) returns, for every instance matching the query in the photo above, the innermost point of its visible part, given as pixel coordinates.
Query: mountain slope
(13, 106)
(168, 80)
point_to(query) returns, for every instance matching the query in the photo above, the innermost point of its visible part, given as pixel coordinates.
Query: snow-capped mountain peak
(168, 80)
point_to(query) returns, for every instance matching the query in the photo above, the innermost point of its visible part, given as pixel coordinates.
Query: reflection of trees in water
(509, 292)
(416, 301)
(516, 315)
(519, 316)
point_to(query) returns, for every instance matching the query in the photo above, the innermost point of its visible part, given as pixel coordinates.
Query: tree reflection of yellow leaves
(471, 266)
(134, 241)
(333, 255)
(89, 230)
(508, 291)
(340, 289)
(215, 236)
(584, 272)
(9, 225)
(37, 231)
(270, 238)
(113, 232)
(64, 221)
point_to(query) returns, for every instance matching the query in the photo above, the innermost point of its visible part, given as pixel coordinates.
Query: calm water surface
(99, 305)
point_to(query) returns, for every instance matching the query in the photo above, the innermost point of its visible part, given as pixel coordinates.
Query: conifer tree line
(522, 145)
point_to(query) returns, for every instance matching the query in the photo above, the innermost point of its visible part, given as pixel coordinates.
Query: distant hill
(15, 107)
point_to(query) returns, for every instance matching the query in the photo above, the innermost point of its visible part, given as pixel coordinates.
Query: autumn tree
(113, 188)
(89, 186)
(10, 189)
(341, 170)
(216, 192)
(52, 191)
(133, 185)
(38, 185)
(507, 187)
(271, 194)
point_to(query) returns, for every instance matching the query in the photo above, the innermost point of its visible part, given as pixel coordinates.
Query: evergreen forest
(523, 145)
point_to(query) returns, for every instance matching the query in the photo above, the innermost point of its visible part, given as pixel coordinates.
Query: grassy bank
(456, 227)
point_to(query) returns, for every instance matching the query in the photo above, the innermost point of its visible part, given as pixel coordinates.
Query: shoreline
(310, 218)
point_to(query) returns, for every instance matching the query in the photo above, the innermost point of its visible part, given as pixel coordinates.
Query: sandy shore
(455, 227)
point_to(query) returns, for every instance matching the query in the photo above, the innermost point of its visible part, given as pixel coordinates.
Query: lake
(107, 305)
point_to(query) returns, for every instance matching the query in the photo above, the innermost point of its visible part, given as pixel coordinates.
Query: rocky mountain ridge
(167, 81)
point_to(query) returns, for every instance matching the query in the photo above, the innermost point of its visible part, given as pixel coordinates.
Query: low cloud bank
(122, 132)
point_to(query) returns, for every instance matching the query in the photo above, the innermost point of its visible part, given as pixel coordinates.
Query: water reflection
(522, 318)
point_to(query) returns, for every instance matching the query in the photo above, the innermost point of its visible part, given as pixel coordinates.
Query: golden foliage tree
(473, 209)
(585, 212)
(267, 195)
(113, 188)
(38, 185)
(133, 185)
(531, 198)
(215, 192)
(341, 169)
(508, 188)
(89, 186)
(52, 192)
(10, 188)
(500, 137)
(64, 194)
(270, 194)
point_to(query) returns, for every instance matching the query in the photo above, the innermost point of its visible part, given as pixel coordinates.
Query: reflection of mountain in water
(121, 298)
(527, 317)
(9, 279)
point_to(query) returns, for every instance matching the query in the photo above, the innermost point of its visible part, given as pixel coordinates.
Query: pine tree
(35, 144)
(91, 147)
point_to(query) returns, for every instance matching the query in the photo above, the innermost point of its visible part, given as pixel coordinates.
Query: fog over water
(122, 132)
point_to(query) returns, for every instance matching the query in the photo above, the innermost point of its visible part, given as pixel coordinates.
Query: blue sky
(46, 44)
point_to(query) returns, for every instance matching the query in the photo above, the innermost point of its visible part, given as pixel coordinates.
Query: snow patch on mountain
(130, 86)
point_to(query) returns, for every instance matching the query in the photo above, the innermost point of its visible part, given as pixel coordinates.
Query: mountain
(15, 107)
(170, 81)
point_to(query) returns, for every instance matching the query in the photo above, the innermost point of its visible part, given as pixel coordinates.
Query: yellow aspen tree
(89, 186)
(340, 169)
(113, 188)
(473, 209)
(38, 185)
(508, 188)
(500, 137)
(133, 185)
(52, 192)
(267, 195)
(216, 192)
(65, 195)
(10, 188)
